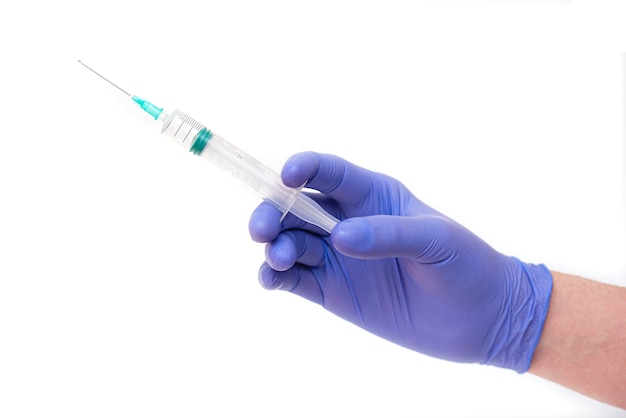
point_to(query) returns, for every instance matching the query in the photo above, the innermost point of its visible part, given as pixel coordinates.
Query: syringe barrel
(250, 171)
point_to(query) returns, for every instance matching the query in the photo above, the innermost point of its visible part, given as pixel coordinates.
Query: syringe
(201, 141)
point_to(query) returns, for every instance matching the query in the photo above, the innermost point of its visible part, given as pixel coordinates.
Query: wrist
(582, 345)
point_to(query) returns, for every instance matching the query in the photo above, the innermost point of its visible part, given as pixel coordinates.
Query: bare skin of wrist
(583, 344)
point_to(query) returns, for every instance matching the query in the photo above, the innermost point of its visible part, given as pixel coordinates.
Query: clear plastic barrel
(184, 130)
(181, 127)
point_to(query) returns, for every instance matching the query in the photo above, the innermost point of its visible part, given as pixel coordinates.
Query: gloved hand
(402, 270)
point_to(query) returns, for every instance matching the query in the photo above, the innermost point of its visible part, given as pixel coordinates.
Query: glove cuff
(524, 313)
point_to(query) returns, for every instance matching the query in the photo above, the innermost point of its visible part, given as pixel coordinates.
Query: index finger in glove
(335, 177)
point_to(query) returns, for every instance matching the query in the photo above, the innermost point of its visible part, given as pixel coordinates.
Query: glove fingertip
(268, 278)
(299, 168)
(352, 237)
(280, 256)
(264, 224)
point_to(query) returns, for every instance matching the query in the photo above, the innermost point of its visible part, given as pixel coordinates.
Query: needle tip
(104, 78)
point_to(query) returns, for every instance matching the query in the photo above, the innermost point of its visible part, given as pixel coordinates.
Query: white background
(127, 278)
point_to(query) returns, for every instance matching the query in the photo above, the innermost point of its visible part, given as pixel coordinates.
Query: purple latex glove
(402, 270)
